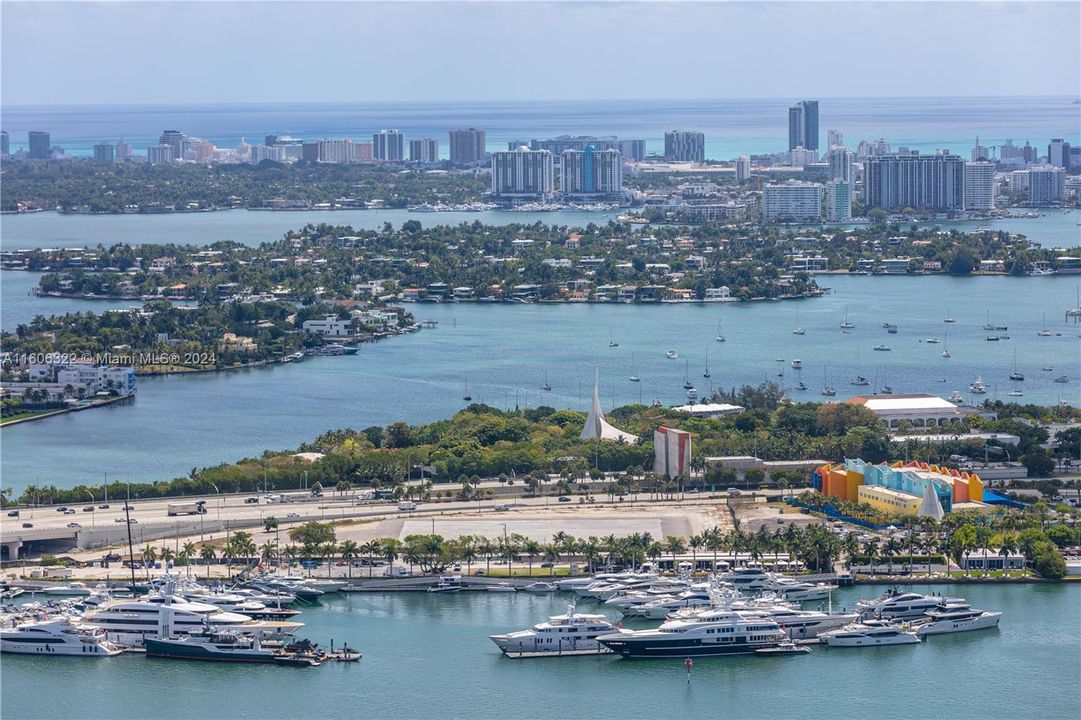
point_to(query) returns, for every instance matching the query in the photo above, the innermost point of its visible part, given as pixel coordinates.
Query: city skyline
(865, 40)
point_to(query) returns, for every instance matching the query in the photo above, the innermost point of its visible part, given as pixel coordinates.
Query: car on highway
(133, 521)
(74, 525)
(564, 498)
(88, 508)
(251, 500)
(28, 525)
(61, 509)
(119, 519)
(69, 511)
(546, 564)
(13, 513)
(734, 491)
(292, 515)
(103, 506)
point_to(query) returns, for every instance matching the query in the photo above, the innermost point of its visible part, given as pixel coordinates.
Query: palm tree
(696, 541)
(870, 549)
(167, 555)
(349, 550)
(890, 549)
(674, 545)
(207, 553)
(531, 548)
(328, 550)
(290, 552)
(390, 548)
(149, 556)
(551, 555)
(370, 548)
(266, 552)
(1006, 548)
(486, 549)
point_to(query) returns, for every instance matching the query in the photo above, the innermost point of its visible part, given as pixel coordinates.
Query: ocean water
(505, 352)
(429, 656)
(732, 126)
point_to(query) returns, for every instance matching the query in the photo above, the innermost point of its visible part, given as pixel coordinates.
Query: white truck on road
(197, 507)
(408, 505)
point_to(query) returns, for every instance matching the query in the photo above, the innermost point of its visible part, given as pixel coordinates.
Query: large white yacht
(568, 634)
(659, 608)
(868, 634)
(164, 615)
(747, 578)
(956, 617)
(797, 591)
(895, 604)
(56, 636)
(723, 633)
(797, 624)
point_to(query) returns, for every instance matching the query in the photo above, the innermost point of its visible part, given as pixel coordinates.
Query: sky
(79, 53)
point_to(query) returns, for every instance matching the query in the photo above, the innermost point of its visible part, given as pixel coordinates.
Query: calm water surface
(503, 353)
(429, 657)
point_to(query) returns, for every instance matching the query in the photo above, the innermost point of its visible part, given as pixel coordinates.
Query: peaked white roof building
(597, 427)
(930, 507)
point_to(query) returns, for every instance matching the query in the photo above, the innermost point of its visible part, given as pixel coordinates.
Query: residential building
(834, 139)
(979, 185)
(838, 201)
(5, 143)
(259, 153)
(840, 160)
(425, 150)
(103, 152)
(808, 263)
(363, 152)
(743, 168)
(174, 139)
(523, 173)
(801, 157)
(793, 200)
(591, 171)
(685, 146)
(895, 181)
(329, 326)
(1019, 183)
(40, 145)
(979, 152)
(160, 154)
(388, 146)
(1058, 153)
(803, 125)
(467, 146)
(309, 152)
(334, 151)
(123, 150)
(1046, 184)
(631, 149)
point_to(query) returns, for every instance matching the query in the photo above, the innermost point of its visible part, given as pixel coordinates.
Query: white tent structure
(931, 507)
(597, 427)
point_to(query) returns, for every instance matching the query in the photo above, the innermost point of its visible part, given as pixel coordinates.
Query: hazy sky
(196, 52)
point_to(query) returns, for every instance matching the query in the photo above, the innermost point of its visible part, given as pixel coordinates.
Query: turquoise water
(731, 126)
(429, 657)
(505, 351)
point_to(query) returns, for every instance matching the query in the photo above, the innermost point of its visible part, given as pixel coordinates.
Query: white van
(407, 505)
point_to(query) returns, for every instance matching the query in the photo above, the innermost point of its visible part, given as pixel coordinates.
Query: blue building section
(993, 498)
(587, 169)
(902, 480)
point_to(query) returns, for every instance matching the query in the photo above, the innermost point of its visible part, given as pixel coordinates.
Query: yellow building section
(889, 501)
(853, 482)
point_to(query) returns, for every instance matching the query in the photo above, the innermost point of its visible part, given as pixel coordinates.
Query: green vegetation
(86, 186)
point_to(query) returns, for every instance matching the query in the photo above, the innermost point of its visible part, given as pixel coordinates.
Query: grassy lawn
(520, 571)
(23, 415)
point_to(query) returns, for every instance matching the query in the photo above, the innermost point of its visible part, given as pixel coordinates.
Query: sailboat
(1015, 374)
(706, 373)
(720, 337)
(467, 397)
(611, 340)
(1044, 332)
(827, 387)
(798, 330)
(633, 377)
(948, 318)
(845, 325)
(859, 379)
(945, 339)
(546, 387)
(687, 385)
(990, 325)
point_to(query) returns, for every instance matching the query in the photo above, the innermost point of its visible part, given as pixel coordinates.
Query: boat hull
(679, 647)
(173, 650)
(16, 647)
(943, 627)
(903, 639)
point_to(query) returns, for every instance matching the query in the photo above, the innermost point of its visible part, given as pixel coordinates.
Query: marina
(1032, 646)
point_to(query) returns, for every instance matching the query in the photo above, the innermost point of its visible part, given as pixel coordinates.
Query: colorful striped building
(899, 487)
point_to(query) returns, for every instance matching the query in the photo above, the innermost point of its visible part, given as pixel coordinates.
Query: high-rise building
(467, 146)
(979, 185)
(792, 200)
(5, 143)
(840, 159)
(896, 181)
(388, 146)
(259, 153)
(309, 152)
(743, 168)
(800, 157)
(1074, 162)
(979, 152)
(1019, 183)
(1058, 153)
(1029, 153)
(685, 146)
(591, 171)
(629, 149)
(160, 154)
(1046, 184)
(803, 125)
(40, 145)
(838, 201)
(123, 150)
(425, 150)
(174, 139)
(523, 172)
(834, 139)
(103, 152)
(362, 152)
(335, 151)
